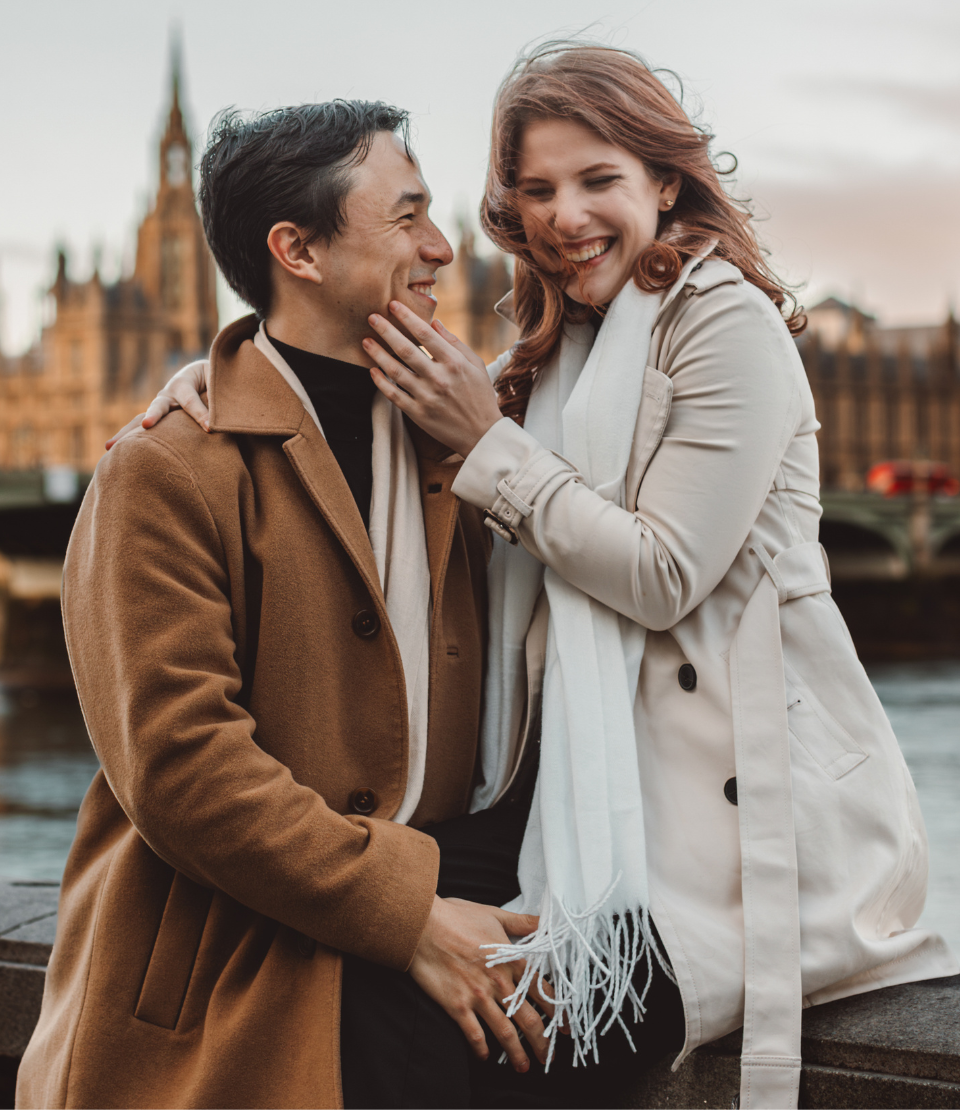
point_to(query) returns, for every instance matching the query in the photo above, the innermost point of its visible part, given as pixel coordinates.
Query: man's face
(389, 248)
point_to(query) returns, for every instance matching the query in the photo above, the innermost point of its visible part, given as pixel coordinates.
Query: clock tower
(109, 346)
(174, 266)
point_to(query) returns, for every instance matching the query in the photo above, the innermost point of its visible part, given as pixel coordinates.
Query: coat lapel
(314, 464)
(651, 423)
(248, 396)
(438, 467)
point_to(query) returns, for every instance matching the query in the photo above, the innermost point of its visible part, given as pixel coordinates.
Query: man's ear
(285, 242)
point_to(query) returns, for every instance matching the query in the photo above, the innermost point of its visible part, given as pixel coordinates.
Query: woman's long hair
(612, 92)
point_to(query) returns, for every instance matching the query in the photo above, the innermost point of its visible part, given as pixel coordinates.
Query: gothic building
(108, 347)
(881, 393)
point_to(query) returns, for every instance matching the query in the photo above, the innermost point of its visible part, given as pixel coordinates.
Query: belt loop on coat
(771, 568)
(773, 994)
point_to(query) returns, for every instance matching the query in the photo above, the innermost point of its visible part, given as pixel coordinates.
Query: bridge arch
(860, 549)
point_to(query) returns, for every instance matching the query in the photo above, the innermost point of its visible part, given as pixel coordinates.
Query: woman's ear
(286, 242)
(669, 191)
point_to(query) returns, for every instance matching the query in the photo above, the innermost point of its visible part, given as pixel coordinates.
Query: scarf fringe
(586, 962)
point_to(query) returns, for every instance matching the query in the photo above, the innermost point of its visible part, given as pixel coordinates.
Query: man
(277, 632)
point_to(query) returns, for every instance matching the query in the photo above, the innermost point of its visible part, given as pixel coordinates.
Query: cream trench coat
(792, 888)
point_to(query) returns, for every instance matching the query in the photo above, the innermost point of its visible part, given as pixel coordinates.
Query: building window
(113, 365)
(76, 358)
(142, 374)
(76, 446)
(171, 271)
(24, 447)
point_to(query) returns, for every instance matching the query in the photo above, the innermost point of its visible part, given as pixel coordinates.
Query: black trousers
(399, 1048)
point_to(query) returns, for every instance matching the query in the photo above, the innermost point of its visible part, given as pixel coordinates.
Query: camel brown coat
(211, 595)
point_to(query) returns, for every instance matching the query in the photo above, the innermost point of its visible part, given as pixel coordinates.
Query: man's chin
(424, 307)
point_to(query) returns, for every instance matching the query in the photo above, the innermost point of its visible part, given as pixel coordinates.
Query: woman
(713, 758)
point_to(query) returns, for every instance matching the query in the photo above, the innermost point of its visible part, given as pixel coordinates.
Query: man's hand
(447, 392)
(181, 392)
(450, 966)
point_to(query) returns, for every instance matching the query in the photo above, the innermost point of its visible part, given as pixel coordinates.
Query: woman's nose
(569, 215)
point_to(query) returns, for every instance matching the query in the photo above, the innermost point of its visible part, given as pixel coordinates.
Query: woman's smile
(589, 252)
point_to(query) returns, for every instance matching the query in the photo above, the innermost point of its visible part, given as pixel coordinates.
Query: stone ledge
(21, 991)
(712, 1081)
(895, 1047)
(891, 1048)
(28, 923)
(23, 906)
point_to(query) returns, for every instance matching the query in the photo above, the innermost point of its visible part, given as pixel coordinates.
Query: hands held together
(450, 966)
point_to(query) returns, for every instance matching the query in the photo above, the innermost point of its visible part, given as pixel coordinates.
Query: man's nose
(435, 247)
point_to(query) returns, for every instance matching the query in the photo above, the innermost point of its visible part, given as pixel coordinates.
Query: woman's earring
(669, 203)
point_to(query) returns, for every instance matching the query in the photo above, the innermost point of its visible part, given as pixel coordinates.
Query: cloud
(890, 240)
(939, 104)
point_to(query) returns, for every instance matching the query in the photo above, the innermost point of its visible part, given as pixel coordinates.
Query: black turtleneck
(342, 393)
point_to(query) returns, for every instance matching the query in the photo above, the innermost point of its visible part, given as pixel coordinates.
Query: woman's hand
(181, 392)
(449, 394)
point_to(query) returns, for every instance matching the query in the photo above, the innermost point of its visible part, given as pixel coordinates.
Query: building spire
(175, 124)
(175, 148)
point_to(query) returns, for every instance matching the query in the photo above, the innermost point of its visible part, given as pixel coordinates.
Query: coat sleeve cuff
(387, 928)
(503, 475)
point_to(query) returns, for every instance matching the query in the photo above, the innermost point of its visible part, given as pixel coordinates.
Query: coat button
(363, 801)
(687, 677)
(306, 946)
(366, 624)
(730, 791)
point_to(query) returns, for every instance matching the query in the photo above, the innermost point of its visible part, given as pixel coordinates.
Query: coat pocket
(174, 953)
(818, 732)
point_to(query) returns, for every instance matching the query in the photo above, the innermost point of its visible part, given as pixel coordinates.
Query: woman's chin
(589, 292)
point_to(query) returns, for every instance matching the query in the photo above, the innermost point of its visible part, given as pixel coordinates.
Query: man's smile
(424, 289)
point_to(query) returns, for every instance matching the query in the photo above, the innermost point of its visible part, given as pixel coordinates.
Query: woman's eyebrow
(598, 166)
(529, 179)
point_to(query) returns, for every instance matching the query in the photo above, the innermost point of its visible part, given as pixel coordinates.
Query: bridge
(37, 512)
(867, 536)
(871, 537)
(886, 554)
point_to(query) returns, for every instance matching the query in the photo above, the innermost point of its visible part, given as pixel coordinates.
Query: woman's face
(598, 197)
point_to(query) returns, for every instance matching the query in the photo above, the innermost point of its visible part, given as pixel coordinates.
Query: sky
(844, 116)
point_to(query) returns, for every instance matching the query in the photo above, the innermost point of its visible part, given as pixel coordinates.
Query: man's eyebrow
(410, 197)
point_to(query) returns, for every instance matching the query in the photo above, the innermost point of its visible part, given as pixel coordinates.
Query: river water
(46, 764)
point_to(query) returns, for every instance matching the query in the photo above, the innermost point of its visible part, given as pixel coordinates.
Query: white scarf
(400, 551)
(583, 861)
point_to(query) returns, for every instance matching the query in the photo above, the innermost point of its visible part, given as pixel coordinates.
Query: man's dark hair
(289, 164)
